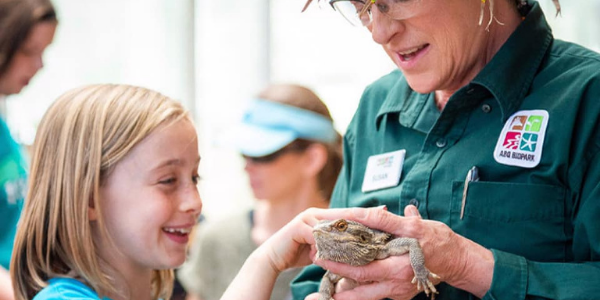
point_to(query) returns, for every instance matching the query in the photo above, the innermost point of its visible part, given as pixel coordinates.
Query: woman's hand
(457, 260)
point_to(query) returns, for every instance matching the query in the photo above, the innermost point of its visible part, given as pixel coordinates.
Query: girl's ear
(316, 155)
(92, 213)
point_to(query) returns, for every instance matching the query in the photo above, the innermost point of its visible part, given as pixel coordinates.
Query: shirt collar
(401, 98)
(508, 76)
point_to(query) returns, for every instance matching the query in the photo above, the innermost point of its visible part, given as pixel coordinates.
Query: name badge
(383, 170)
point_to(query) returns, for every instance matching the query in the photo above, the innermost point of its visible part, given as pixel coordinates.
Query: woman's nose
(383, 28)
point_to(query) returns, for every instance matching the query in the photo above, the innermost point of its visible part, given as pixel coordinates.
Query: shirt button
(441, 143)
(414, 202)
(486, 108)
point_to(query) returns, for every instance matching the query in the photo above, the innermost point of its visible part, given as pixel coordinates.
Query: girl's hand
(293, 245)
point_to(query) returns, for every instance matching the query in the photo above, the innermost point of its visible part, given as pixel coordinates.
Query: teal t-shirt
(13, 186)
(66, 288)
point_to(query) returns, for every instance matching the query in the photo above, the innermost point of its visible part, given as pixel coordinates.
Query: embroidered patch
(520, 143)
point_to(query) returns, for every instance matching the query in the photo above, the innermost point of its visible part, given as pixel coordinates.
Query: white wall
(140, 42)
(215, 55)
(232, 65)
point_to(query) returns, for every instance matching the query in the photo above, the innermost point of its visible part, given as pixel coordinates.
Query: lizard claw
(425, 285)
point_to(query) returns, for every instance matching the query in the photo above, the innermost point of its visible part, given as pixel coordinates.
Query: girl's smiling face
(150, 201)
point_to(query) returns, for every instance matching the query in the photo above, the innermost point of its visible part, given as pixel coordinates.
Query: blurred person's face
(28, 59)
(276, 177)
(438, 45)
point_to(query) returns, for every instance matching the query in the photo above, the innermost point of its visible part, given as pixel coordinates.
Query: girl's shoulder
(66, 288)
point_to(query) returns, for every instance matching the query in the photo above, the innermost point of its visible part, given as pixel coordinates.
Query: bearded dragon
(353, 243)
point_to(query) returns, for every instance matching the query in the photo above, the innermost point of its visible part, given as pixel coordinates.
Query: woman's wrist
(476, 270)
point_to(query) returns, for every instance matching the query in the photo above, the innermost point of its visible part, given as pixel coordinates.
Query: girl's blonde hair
(82, 136)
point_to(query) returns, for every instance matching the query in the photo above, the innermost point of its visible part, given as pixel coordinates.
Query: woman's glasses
(358, 12)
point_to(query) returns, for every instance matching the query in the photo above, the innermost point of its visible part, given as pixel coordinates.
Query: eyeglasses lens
(354, 11)
(359, 12)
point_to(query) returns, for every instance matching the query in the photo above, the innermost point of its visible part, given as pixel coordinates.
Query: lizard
(353, 243)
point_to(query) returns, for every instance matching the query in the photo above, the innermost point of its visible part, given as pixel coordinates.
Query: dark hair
(302, 97)
(17, 18)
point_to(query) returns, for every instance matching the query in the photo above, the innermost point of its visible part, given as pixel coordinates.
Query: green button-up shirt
(541, 222)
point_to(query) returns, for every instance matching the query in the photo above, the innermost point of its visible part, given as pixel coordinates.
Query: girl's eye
(168, 181)
(196, 179)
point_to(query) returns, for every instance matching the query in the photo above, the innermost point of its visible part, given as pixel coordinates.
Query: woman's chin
(421, 84)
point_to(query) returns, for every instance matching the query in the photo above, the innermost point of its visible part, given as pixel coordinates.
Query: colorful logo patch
(385, 162)
(521, 140)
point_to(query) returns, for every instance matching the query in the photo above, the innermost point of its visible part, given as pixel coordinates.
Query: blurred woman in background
(28, 27)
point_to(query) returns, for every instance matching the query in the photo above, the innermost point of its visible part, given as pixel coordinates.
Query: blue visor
(269, 126)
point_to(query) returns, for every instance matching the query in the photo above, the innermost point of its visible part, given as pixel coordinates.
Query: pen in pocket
(472, 175)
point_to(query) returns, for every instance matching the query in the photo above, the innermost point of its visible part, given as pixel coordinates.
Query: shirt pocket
(524, 219)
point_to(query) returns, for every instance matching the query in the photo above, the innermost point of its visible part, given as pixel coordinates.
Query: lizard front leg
(327, 287)
(400, 246)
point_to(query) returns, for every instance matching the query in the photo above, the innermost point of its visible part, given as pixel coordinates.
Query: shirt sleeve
(518, 278)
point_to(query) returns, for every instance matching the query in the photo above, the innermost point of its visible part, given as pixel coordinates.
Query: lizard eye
(341, 225)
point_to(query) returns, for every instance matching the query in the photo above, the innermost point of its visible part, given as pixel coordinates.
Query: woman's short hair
(302, 97)
(80, 139)
(17, 18)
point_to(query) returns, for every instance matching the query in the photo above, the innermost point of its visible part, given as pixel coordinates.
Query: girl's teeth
(177, 230)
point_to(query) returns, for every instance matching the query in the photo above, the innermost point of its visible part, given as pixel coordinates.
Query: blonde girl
(112, 197)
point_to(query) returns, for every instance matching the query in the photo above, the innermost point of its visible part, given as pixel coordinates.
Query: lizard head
(348, 241)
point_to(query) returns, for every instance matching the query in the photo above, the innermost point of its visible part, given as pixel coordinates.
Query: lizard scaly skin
(356, 244)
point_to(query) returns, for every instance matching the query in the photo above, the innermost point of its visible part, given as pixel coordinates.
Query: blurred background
(214, 56)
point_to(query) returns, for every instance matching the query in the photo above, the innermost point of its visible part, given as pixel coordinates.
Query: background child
(27, 29)
(112, 197)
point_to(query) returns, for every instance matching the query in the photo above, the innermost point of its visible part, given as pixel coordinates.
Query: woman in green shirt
(493, 126)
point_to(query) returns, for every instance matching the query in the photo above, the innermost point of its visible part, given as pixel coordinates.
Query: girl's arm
(6, 290)
(292, 246)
